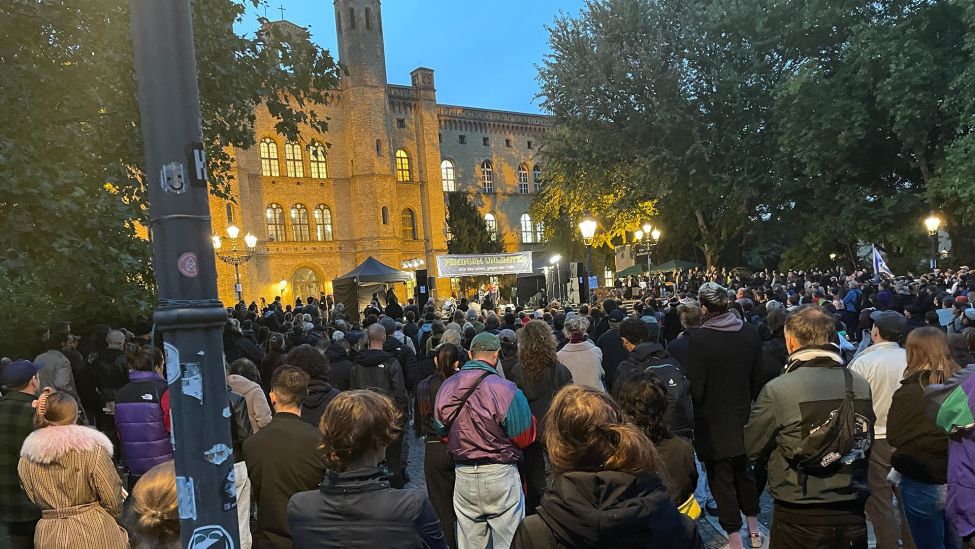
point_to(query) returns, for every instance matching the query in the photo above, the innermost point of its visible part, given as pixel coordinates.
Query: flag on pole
(879, 264)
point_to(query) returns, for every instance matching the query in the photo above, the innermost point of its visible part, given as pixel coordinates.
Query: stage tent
(355, 288)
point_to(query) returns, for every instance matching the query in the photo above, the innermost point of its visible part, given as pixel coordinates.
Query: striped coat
(68, 472)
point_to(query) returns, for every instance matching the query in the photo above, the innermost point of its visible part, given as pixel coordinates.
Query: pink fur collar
(48, 444)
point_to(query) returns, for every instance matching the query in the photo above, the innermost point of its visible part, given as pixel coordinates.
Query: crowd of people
(846, 397)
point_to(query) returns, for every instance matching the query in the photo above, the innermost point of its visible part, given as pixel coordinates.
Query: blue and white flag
(879, 264)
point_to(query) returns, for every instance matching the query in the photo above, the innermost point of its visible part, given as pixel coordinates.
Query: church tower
(359, 25)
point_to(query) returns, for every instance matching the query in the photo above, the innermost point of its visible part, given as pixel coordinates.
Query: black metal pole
(934, 250)
(189, 315)
(237, 286)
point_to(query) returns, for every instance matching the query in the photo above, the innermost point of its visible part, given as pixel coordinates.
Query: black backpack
(828, 443)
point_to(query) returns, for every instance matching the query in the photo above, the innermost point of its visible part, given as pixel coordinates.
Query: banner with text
(484, 264)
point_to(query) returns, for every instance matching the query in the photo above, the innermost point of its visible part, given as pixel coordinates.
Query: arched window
(487, 177)
(316, 161)
(403, 166)
(323, 223)
(409, 224)
(523, 179)
(492, 226)
(539, 232)
(527, 230)
(385, 215)
(269, 158)
(368, 19)
(537, 178)
(299, 223)
(447, 176)
(275, 223)
(292, 160)
(230, 214)
(379, 148)
(305, 283)
(352, 18)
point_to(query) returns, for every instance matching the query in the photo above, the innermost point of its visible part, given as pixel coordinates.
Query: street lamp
(554, 260)
(235, 256)
(933, 224)
(647, 238)
(588, 229)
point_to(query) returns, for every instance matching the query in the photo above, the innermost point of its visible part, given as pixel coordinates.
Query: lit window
(487, 177)
(403, 166)
(608, 281)
(527, 230)
(323, 223)
(537, 178)
(492, 226)
(409, 224)
(292, 160)
(447, 176)
(539, 232)
(316, 161)
(523, 179)
(299, 223)
(275, 223)
(269, 158)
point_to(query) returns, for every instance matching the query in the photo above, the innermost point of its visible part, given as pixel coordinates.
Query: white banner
(484, 264)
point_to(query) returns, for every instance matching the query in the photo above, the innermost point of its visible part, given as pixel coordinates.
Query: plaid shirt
(16, 422)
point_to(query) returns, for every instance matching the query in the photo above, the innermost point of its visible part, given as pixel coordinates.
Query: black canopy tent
(355, 288)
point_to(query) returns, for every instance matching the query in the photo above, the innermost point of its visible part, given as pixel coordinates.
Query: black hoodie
(377, 369)
(339, 366)
(320, 393)
(607, 509)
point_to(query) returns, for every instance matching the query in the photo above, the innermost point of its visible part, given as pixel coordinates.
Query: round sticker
(188, 265)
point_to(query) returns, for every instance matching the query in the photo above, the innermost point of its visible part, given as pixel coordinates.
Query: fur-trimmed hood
(48, 444)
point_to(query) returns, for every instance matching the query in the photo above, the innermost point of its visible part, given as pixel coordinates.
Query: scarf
(725, 322)
(805, 354)
(577, 337)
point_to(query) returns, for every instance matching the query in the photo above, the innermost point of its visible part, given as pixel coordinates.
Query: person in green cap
(488, 498)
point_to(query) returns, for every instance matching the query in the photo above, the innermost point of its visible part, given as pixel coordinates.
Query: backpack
(383, 382)
(831, 443)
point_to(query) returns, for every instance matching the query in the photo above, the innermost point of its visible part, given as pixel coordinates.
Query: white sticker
(172, 363)
(213, 536)
(226, 411)
(193, 380)
(218, 454)
(186, 498)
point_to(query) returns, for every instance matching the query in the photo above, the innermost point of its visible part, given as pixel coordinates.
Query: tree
(72, 187)
(657, 104)
(468, 230)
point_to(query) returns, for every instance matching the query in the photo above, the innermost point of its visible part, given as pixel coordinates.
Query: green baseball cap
(485, 341)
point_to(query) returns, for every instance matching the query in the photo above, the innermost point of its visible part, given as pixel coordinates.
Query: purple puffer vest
(139, 418)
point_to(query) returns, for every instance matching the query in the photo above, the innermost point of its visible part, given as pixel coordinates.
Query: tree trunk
(709, 249)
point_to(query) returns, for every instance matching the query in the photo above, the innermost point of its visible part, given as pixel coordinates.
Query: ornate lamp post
(933, 224)
(235, 256)
(588, 229)
(646, 239)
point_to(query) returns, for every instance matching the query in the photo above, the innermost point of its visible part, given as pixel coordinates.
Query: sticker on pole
(192, 380)
(172, 363)
(186, 498)
(188, 265)
(211, 537)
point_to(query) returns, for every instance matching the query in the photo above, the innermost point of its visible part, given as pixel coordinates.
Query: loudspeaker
(422, 289)
(578, 283)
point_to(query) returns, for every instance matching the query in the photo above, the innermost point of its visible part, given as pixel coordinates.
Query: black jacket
(921, 448)
(359, 509)
(271, 362)
(607, 509)
(111, 373)
(240, 423)
(237, 346)
(540, 392)
(774, 356)
(678, 347)
(275, 479)
(339, 366)
(320, 393)
(652, 357)
(611, 344)
(406, 358)
(377, 369)
(725, 372)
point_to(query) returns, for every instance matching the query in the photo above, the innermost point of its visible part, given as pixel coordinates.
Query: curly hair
(536, 348)
(309, 359)
(357, 422)
(643, 398)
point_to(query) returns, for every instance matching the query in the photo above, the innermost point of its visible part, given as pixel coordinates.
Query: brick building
(375, 184)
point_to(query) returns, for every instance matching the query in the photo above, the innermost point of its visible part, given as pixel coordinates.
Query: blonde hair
(928, 356)
(585, 430)
(55, 408)
(154, 515)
